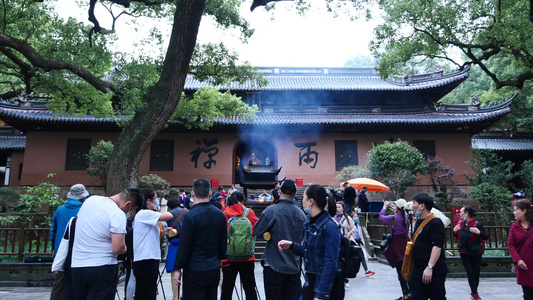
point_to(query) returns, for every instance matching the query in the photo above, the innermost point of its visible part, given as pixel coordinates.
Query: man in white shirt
(99, 238)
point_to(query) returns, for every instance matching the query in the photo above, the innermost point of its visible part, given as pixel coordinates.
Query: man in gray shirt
(282, 221)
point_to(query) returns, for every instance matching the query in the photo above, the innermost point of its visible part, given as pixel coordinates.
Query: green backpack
(241, 243)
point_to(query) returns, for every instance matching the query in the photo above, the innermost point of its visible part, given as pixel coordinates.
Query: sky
(282, 38)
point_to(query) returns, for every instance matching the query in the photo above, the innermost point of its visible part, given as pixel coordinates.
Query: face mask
(418, 213)
(340, 213)
(307, 211)
(356, 220)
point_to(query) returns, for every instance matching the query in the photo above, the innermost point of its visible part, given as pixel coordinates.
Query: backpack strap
(246, 211)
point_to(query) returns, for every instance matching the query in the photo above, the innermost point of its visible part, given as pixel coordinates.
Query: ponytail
(332, 206)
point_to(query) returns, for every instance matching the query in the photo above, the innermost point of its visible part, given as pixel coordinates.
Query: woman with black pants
(395, 251)
(146, 246)
(320, 248)
(470, 243)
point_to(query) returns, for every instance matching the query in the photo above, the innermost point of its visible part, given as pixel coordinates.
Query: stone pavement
(384, 285)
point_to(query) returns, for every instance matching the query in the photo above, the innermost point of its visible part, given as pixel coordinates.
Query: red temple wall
(46, 153)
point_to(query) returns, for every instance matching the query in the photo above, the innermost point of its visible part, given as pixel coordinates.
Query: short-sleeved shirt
(97, 219)
(146, 235)
(431, 235)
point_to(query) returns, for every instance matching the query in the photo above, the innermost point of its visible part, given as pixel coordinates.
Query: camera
(387, 238)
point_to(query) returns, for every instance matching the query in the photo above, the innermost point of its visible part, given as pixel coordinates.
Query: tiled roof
(502, 144)
(12, 142)
(46, 115)
(283, 79)
(426, 117)
(413, 118)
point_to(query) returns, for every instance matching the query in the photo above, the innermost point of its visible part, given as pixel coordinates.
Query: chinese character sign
(206, 147)
(306, 155)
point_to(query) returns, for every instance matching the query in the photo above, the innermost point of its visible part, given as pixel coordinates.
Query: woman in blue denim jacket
(320, 247)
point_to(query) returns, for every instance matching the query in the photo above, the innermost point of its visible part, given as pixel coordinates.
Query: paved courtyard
(383, 285)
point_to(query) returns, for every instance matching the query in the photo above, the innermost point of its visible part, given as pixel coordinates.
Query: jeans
(200, 285)
(472, 264)
(281, 286)
(146, 272)
(435, 290)
(337, 292)
(245, 269)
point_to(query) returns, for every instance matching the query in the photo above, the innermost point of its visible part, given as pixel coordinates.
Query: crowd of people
(210, 234)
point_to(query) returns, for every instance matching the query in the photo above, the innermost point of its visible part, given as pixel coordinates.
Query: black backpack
(350, 258)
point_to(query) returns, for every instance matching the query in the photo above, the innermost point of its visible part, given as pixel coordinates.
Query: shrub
(350, 172)
(8, 198)
(396, 164)
(38, 200)
(160, 185)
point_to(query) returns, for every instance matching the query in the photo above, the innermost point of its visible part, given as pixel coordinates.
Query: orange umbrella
(373, 185)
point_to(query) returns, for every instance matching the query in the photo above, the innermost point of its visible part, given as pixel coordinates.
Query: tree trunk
(161, 99)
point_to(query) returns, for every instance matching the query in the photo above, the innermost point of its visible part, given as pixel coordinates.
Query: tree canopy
(396, 164)
(71, 65)
(480, 30)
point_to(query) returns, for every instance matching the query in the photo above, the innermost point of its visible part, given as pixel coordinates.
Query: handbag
(63, 250)
(408, 262)
(513, 268)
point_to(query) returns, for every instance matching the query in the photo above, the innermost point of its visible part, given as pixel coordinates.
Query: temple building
(312, 123)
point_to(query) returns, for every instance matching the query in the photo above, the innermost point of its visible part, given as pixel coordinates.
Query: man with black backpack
(241, 248)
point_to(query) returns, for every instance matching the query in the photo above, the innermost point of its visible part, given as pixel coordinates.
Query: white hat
(400, 203)
(77, 192)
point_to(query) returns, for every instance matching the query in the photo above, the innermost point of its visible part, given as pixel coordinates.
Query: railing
(497, 236)
(22, 242)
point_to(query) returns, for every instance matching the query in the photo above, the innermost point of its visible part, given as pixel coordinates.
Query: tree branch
(49, 64)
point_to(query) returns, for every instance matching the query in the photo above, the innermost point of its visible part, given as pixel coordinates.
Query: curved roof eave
(340, 82)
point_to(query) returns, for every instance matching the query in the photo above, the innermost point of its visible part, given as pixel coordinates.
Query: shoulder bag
(513, 268)
(63, 249)
(408, 262)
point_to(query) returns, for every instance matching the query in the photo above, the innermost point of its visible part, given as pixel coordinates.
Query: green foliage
(491, 169)
(478, 29)
(35, 23)
(481, 86)
(526, 175)
(217, 65)
(396, 164)
(492, 182)
(156, 182)
(207, 105)
(40, 199)
(350, 172)
(8, 198)
(442, 182)
(98, 159)
(492, 197)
